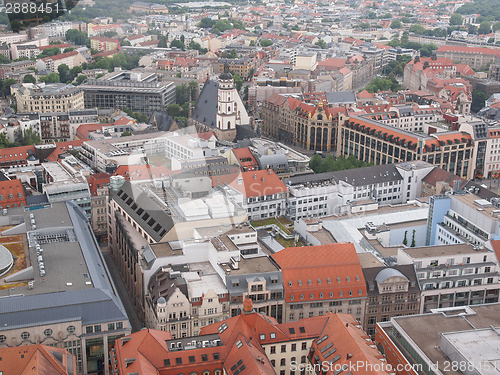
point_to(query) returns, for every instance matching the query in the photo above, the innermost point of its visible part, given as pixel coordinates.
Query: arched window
(229, 124)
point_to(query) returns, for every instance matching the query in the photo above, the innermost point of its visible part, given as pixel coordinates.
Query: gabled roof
(440, 175)
(13, 187)
(61, 56)
(471, 50)
(36, 360)
(257, 183)
(344, 343)
(313, 273)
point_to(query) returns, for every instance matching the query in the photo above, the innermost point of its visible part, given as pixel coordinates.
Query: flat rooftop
(251, 266)
(478, 204)
(426, 330)
(479, 347)
(441, 250)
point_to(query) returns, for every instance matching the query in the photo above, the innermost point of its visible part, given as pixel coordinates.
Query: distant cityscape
(260, 187)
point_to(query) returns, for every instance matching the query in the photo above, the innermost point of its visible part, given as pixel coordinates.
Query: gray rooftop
(341, 97)
(91, 306)
(144, 210)
(357, 177)
(205, 110)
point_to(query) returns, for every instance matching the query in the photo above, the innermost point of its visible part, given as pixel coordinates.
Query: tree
(30, 137)
(80, 79)
(64, 73)
(266, 43)
(405, 240)
(396, 24)
(426, 64)
(174, 110)
(417, 29)
(68, 49)
(478, 100)
(413, 239)
(177, 43)
(222, 25)
(321, 43)
(49, 52)
(77, 37)
(162, 42)
(383, 84)
(28, 78)
(484, 28)
(6, 86)
(238, 81)
(126, 133)
(51, 78)
(206, 23)
(456, 19)
(496, 26)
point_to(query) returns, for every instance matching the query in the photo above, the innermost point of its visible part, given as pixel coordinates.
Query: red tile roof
(97, 181)
(12, 192)
(83, 130)
(315, 273)
(256, 183)
(15, 154)
(353, 347)
(35, 360)
(246, 159)
(62, 147)
(471, 50)
(61, 56)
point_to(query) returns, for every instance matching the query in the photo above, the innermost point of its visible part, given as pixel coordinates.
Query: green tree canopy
(456, 19)
(51, 78)
(28, 78)
(396, 24)
(329, 164)
(266, 43)
(484, 28)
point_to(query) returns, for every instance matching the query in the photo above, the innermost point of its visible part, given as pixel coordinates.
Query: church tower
(226, 103)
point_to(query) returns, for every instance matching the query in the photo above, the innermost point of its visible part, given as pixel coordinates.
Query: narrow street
(122, 291)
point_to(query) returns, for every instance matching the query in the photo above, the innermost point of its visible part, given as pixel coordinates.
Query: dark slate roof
(37, 200)
(163, 121)
(355, 177)
(408, 271)
(245, 132)
(92, 306)
(272, 161)
(205, 110)
(341, 97)
(480, 191)
(162, 285)
(133, 199)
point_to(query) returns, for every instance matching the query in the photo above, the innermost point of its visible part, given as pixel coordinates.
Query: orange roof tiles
(61, 56)
(246, 159)
(353, 348)
(15, 153)
(314, 273)
(258, 183)
(472, 50)
(35, 360)
(97, 181)
(12, 192)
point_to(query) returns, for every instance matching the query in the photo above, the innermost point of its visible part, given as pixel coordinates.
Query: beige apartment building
(42, 98)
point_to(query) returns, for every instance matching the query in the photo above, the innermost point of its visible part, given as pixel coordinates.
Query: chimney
(349, 356)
